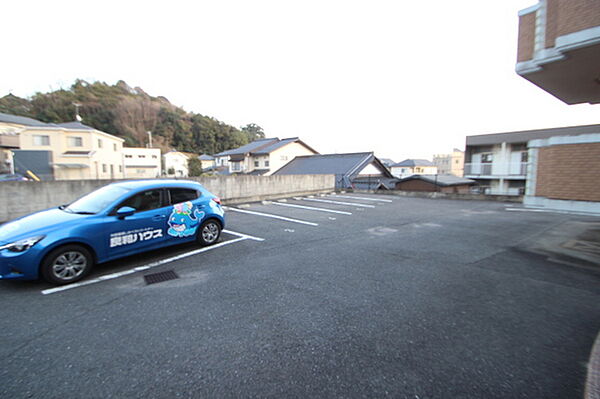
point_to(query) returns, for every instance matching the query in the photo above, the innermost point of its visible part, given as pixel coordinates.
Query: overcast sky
(403, 79)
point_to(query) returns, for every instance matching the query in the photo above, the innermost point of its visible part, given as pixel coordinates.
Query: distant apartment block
(501, 163)
(141, 163)
(559, 48)
(450, 164)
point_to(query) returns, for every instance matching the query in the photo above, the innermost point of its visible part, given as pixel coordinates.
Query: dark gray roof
(283, 142)
(527, 135)
(21, 120)
(414, 162)
(339, 164)
(370, 183)
(254, 146)
(441, 180)
(75, 125)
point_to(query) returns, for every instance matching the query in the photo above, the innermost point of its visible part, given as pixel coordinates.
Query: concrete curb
(592, 385)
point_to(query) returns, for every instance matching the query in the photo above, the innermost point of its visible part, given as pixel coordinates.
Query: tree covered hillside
(130, 113)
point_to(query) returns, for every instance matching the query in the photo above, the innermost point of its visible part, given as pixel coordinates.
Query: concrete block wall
(21, 198)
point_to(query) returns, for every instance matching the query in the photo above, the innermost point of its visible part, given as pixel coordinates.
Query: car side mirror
(125, 211)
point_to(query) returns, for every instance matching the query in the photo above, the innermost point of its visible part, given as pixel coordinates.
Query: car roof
(157, 183)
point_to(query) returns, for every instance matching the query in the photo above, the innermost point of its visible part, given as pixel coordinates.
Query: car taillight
(217, 200)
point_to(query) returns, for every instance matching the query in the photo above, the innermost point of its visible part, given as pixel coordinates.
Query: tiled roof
(414, 162)
(21, 120)
(255, 145)
(441, 180)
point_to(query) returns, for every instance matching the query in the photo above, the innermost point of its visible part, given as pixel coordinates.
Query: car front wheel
(209, 232)
(66, 264)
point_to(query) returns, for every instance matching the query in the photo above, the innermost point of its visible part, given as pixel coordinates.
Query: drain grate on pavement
(160, 277)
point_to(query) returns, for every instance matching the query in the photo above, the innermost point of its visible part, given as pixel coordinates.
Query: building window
(154, 157)
(120, 169)
(99, 143)
(41, 140)
(73, 141)
(141, 156)
(128, 156)
(236, 166)
(115, 146)
(486, 158)
(284, 158)
(266, 164)
(103, 168)
(256, 164)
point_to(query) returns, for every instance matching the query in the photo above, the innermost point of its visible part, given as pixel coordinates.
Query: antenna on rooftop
(77, 117)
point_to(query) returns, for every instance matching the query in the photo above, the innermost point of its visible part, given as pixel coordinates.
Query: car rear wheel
(209, 232)
(66, 264)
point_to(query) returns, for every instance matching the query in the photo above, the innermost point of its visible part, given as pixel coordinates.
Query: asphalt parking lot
(352, 295)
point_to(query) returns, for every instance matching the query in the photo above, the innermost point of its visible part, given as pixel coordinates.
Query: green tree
(194, 167)
(253, 132)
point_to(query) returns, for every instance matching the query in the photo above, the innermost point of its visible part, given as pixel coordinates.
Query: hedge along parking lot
(414, 297)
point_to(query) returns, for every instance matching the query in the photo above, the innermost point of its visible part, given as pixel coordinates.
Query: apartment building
(141, 163)
(450, 164)
(264, 156)
(559, 49)
(176, 163)
(500, 162)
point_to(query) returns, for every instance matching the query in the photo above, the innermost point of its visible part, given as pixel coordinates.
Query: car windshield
(96, 201)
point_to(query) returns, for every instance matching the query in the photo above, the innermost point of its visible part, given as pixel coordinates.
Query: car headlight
(22, 245)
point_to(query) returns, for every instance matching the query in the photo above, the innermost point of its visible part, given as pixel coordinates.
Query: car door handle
(158, 217)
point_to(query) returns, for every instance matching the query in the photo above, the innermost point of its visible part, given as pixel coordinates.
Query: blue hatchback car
(62, 244)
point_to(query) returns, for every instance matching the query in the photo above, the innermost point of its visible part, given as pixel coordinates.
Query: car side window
(143, 201)
(179, 195)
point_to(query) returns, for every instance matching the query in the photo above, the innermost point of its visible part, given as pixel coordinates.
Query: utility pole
(149, 139)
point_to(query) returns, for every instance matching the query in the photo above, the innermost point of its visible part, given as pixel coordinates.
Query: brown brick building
(565, 173)
(559, 48)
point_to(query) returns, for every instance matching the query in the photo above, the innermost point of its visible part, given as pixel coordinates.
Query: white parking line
(268, 215)
(112, 276)
(311, 208)
(338, 202)
(243, 235)
(359, 198)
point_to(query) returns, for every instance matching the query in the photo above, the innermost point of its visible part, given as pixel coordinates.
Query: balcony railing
(496, 169)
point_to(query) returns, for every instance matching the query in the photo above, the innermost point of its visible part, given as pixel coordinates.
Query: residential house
(387, 162)
(559, 49)
(262, 157)
(450, 164)
(361, 168)
(176, 163)
(499, 162)
(410, 167)
(141, 162)
(436, 183)
(207, 162)
(10, 126)
(77, 151)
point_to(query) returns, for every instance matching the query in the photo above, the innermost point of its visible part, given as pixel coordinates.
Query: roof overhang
(568, 71)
